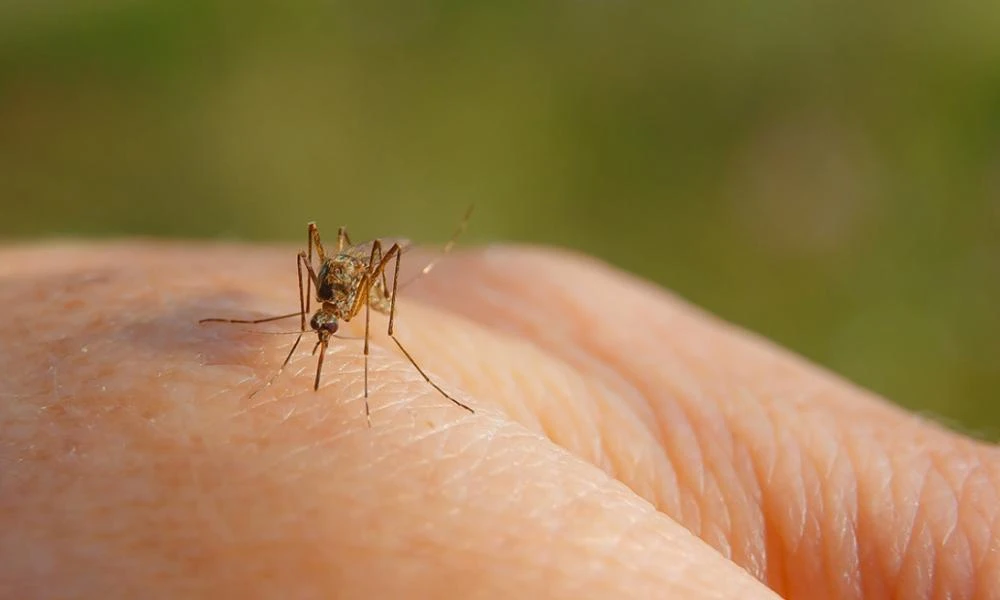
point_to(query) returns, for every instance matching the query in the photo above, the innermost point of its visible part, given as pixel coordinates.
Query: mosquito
(351, 279)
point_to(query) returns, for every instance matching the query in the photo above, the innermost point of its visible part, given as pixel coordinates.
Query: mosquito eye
(325, 323)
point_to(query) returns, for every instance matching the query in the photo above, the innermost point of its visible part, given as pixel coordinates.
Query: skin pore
(624, 444)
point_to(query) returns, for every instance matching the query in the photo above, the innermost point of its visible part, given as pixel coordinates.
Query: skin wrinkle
(577, 411)
(918, 559)
(716, 448)
(824, 517)
(761, 462)
(818, 465)
(987, 581)
(748, 529)
(629, 459)
(742, 499)
(637, 390)
(971, 528)
(733, 498)
(697, 485)
(791, 497)
(959, 490)
(937, 506)
(876, 507)
(344, 369)
(508, 463)
(942, 514)
(816, 395)
(839, 506)
(775, 500)
(569, 501)
(711, 429)
(978, 526)
(461, 341)
(492, 443)
(497, 379)
(525, 313)
(909, 485)
(713, 395)
(843, 485)
(685, 450)
(493, 295)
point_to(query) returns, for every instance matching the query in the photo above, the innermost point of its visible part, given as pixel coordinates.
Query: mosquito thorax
(337, 278)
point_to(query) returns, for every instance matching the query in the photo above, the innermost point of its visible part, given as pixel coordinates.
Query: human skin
(624, 444)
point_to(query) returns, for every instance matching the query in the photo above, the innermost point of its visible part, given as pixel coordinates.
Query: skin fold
(624, 445)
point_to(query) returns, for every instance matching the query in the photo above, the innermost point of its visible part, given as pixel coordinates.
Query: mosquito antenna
(447, 248)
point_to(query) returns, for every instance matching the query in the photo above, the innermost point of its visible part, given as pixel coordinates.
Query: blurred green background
(824, 172)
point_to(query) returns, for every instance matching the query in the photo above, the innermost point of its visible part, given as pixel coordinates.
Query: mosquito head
(324, 323)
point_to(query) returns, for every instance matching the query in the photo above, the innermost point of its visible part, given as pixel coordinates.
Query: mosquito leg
(385, 285)
(313, 242)
(313, 278)
(249, 321)
(284, 364)
(309, 247)
(395, 285)
(373, 262)
(343, 240)
(425, 376)
(368, 314)
(304, 295)
(395, 250)
(375, 265)
(303, 304)
(378, 270)
(368, 318)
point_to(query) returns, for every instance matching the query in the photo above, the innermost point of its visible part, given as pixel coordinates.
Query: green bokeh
(825, 173)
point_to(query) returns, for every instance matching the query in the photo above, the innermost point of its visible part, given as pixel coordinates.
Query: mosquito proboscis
(351, 279)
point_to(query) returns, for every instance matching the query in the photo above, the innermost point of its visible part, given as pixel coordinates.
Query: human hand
(624, 445)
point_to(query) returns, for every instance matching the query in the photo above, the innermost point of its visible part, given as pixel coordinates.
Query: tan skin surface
(614, 427)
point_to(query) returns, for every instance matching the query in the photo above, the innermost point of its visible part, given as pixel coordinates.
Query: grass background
(824, 172)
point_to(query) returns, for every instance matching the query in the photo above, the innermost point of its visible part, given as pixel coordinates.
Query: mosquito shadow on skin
(241, 344)
(216, 344)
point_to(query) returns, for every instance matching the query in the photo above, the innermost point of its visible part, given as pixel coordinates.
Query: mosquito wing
(363, 251)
